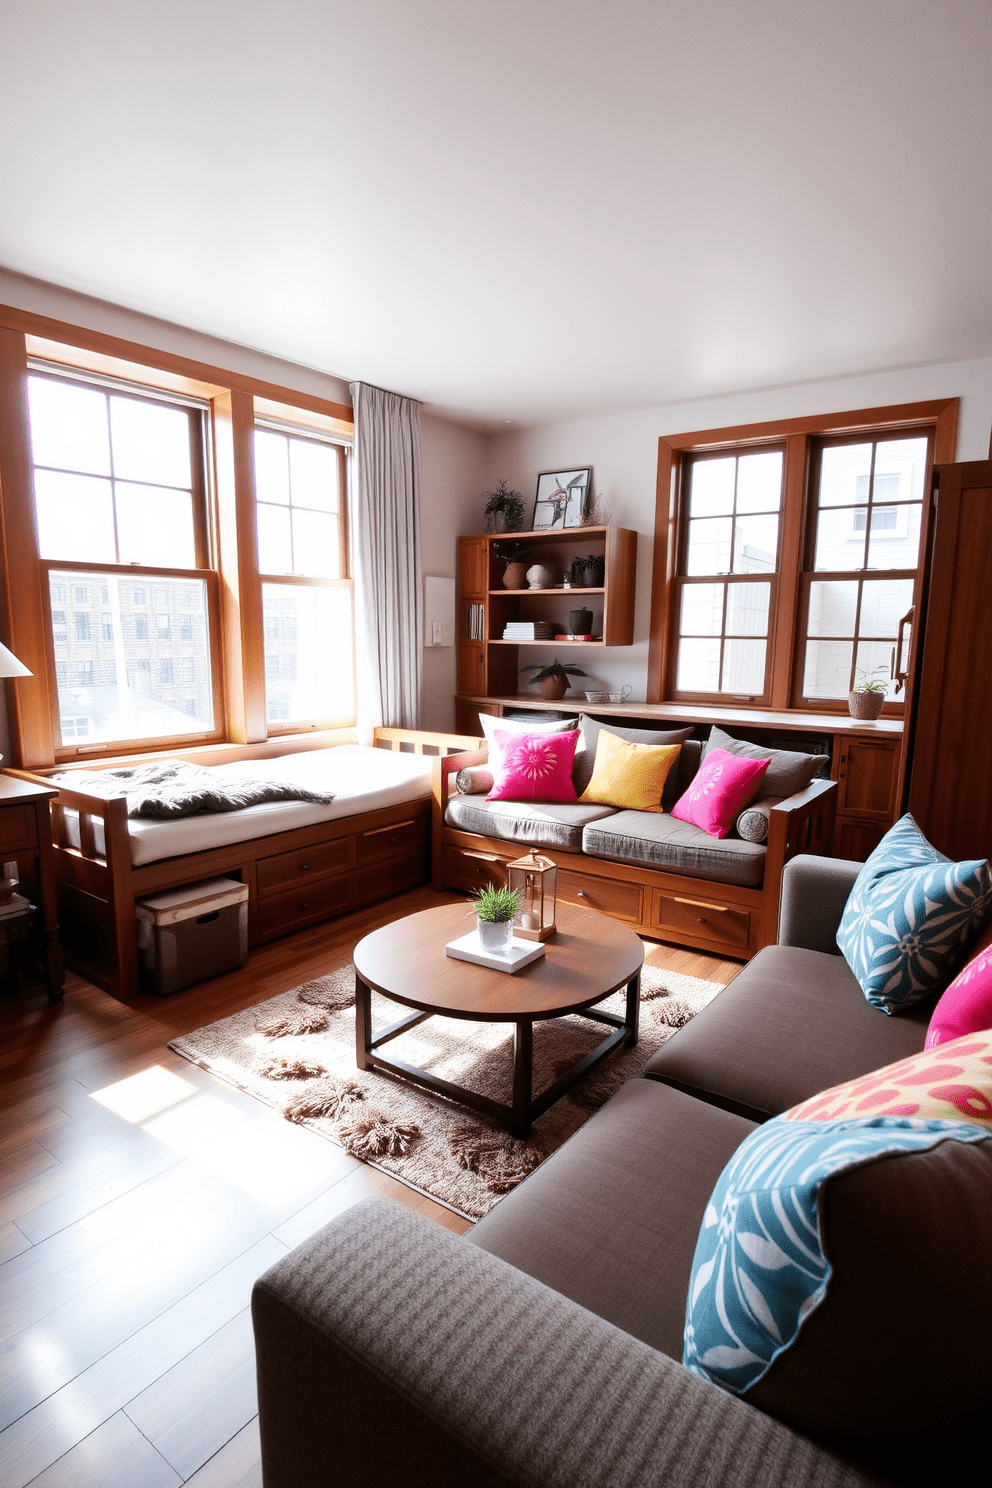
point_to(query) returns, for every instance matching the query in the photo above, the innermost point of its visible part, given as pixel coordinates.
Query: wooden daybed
(295, 878)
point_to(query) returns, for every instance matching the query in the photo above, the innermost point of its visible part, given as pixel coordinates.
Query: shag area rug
(296, 1052)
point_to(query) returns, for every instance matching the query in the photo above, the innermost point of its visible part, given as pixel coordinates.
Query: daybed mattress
(362, 779)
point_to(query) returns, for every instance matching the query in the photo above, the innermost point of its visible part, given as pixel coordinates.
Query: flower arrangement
(504, 509)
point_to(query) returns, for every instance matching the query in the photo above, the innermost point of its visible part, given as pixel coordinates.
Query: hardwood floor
(139, 1199)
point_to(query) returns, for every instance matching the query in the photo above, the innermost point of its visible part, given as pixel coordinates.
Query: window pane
(309, 645)
(827, 673)
(883, 603)
(759, 482)
(271, 467)
(747, 610)
(895, 536)
(872, 654)
(900, 469)
(155, 525)
(744, 667)
(699, 666)
(844, 473)
(75, 517)
(840, 541)
(702, 609)
(315, 545)
(313, 475)
(129, 692)
(709, 546)
(755, 544)
(711, 487)
(151, 443)
(833, 608)
(69, 426)
(275, 550)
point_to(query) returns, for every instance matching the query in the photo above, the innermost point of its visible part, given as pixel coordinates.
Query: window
(307, 599)
(789, 556)
(118, 481)
(729, 558)
(863, 548)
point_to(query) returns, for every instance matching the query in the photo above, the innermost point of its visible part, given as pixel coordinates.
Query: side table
(26, 832)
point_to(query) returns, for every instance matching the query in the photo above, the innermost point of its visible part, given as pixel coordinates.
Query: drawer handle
(581, 894)
(700, 904)
(303, 867)
(395, 873)
(394, 839)
(305, 904)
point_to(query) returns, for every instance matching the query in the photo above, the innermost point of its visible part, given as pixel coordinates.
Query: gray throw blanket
(172, 788)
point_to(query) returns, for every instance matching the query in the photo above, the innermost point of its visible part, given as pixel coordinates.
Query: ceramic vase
(515, 576)
(553, 688)
(539, 577)
(495, 935)
(580, 622)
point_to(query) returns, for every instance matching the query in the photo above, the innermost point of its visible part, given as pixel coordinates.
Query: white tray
(519, 952)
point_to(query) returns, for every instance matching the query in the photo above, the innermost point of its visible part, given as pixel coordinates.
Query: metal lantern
(534, 878)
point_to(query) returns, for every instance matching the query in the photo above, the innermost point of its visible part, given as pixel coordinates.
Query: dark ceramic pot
(580, 622)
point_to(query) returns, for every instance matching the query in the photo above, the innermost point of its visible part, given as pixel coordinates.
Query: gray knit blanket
(173, 788)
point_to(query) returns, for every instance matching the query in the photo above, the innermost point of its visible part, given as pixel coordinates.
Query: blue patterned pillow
(760, 1269)
(910, 916)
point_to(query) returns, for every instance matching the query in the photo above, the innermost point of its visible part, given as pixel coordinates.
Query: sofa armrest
(803, 823)
(389, 1351)
(814, 892)
(444, 769)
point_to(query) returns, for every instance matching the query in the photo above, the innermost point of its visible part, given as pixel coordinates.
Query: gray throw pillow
(585, 751)
(789, 770)
(476, 780)
(752, 824)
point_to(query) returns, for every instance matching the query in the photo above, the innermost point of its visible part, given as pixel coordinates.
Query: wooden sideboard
(864, 757)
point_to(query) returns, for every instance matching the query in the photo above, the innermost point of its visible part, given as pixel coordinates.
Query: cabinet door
(473, 567)
(866, 775)
(471, 667)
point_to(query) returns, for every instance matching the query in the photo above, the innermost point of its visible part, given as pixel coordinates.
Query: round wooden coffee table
(590, 957)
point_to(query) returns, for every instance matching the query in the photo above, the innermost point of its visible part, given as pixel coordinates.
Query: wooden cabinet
(26, 836)
(950, 782)
(867, 775)
(488, 666)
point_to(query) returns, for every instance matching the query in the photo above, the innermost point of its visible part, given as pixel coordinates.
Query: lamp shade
(10, 666)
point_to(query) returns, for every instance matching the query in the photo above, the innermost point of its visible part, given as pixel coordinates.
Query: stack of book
(529, 630)
(15, 905)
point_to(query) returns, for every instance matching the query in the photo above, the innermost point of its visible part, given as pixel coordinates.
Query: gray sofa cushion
(791, 1024)
(585, 751)
(789, 770)
(678, 847)
(531, 823)
(611, 1219)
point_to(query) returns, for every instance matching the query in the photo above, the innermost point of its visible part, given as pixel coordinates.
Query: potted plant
(504, 509)
(868, 696)
(514, 555)
(553, 679)
(494, 914)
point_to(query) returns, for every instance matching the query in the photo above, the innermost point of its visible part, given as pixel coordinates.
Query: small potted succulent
(504, 509)
(868, 697)
(495, 910)
(514, 555)
(553, 679)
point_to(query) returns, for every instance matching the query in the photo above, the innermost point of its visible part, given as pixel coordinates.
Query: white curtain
(389, 620)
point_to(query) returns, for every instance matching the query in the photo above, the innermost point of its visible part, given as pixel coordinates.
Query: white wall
(454, 472)
(623, 451)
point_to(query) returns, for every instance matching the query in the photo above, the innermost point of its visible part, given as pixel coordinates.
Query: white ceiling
(516, 209)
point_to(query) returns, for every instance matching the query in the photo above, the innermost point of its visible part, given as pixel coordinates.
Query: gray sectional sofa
(665, 878)
(543, 1347)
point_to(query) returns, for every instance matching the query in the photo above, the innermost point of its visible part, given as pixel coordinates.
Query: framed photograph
(561, 499)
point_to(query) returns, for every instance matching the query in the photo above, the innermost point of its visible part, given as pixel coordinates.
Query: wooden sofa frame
(698, 912)
(343, 864)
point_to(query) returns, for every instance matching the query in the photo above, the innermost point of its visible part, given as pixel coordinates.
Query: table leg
(523, 1063)
(363, 1023)
(633, 1010)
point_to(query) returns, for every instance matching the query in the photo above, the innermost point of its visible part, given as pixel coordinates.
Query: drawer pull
(701, 904)
(305, 904)
(581, 894)
(304, 867)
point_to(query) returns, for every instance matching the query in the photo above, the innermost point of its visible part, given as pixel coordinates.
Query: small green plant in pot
(504, 509)
(553, 680)
(494, 913)
(867, 698)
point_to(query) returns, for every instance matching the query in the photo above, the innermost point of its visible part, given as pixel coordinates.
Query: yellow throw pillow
(630, 776)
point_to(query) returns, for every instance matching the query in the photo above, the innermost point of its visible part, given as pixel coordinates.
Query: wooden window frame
(234, 592)
(798, 436)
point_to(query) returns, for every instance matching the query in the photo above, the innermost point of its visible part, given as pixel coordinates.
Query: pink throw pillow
(723, 786)
(966, 1006)
(534, 767)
